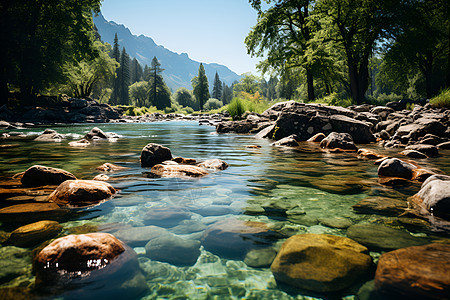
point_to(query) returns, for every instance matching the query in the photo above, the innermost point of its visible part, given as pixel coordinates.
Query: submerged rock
(14, 262)
(166, 216)
(321, 262)
(173, 249)
(81, 192)
(50, 135)
(381, 205)
(317, 138)
(260, 258)
(213, 164)
(420, 272)
(154, 154)
(108, 167)
(40, 175)
(394, 167)
(289, 141)
(32, 212)
(140, 236)
(338, 140)
(34, 233)
(184, 161)
(369, 154)
(161, 170)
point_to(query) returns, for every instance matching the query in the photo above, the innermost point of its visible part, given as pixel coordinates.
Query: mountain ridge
(179, 69)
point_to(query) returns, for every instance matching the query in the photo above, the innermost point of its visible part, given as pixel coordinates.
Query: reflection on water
(283, 191)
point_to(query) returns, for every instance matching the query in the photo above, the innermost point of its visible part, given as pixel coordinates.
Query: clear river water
(260, 185)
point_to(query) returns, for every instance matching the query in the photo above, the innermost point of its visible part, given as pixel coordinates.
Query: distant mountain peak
(179, 68)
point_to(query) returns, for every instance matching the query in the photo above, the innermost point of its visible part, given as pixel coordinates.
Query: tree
(282, 34)
(139, 93)
(116, 82)
(37, 37)
(83, 75)
(159, 93)
(227, 94)
(146, 73)
(184, 97)
(217, 88)
(136, 73)
(249, 83)
(201, 87)
(124, 77)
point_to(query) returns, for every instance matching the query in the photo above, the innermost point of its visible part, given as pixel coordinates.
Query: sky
(209, 31)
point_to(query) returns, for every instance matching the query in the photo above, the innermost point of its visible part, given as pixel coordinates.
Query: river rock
(233, 238)
(381, 205)
(429, 150)
(289, 141)
(173, 249)
(99, 262)
(178, 171)
(336, 222)
(34, 233)
(321, 262)
(95, 133)
(260, 258)
(317, 138)
(50, 135)
(243, 126)
(80, 143)
(32, 212)
(379, 237)
(338, 140)
(166, 216)
(40, 175)
(420, 272)
(394, 167)
(444, 146)
(434, 196)
(81, 192)
(184, 161)
(213, 164)
(140, 236)
(108, 167)
(153, 154)
(370, 154)
(101, 177)
(413, 154)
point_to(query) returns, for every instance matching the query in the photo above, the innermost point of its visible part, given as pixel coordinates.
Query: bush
(184, 97)
(236, 108)
(442, 100)
(212, 103)
(335, 100)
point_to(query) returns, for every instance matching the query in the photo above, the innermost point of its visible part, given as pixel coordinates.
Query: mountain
(179, 68)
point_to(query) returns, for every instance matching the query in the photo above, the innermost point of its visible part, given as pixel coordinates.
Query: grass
(442, 100)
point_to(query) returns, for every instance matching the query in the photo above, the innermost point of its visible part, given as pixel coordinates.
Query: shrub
(335, 100)
(212, 103)
(236, 108)
(442, 100)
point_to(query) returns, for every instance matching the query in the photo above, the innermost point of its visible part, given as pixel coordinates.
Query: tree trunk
(359, 81)
(429, 79)
(310, 81)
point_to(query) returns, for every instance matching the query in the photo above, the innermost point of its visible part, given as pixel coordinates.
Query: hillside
(179, 68)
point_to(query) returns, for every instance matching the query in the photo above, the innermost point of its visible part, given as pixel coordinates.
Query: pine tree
(159, 93)
(217, 88)
(136, 71)
(146, 73)
(124, 72)
(116, 82)
(201, 86)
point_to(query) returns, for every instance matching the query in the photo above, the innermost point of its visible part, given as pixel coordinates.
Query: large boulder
(434, 196)
(394, 167)
(338, 140)
(34, 233)
(95, 133)
(40, 175)
(321, 262)
(243, 126)
(50, 135)
(81, 192)
(420, 272)
(154, 154)
(99, 262)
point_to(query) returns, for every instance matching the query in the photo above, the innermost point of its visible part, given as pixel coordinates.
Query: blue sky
(211, 31)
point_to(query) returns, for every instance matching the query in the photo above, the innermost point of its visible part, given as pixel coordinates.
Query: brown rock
(107, 167)
(34, 233)
(381, 205)
(80, 143)
(316, 138)
(336, 140)
(101, 177)
(370, 154)
(41, 175)
(153, 154)
(178, 171)
(420, 272)
(31, 212)
(320, 262)
(394, 167)
(213, 164)
(184, 161)
(81, 192)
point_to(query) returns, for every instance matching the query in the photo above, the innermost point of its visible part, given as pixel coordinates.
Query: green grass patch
(442, 100)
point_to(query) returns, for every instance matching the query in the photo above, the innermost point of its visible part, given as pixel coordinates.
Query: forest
(338, 52)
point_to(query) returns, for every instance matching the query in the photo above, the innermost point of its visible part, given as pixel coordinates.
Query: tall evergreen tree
(227, 94)
(217, 88)
(159, 93)
(146, 73)
(136, 71)
(201, 86)
(116, 82)
(124, 71)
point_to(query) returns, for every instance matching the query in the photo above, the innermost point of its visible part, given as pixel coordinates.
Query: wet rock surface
(80, 193)
(40, 175)
(153, 154)
(34, 233)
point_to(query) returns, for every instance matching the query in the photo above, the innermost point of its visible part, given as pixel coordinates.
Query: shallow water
(260, 185)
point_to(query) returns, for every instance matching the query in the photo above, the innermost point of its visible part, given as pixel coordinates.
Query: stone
(184, 161)
(140, 236)
(108, 167)
(233, 238)
(243, 126)
(214, 210)
(32, 234)
(40, 175)
(95, 133)
(178, 171)
(434, 196)
(80, 143)
(369, 154)
(31, 212)
(213, 164)
(173, 249)
(394, 167)
(50, 136)
(420, 272)
(154, 154)
(381, 206)
(80, 193)
(317, 138)
(336, 222)
(413, 154)
(166, 216)
(429, 150)
(338, 140)
(444, 146)
(260, 258)
(15, 262)
(101, 177)
(320, 262)
(289, 141)
(382, 111)
(378, 237)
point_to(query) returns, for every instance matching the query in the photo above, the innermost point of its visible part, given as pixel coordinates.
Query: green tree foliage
(82, 76)
(138, 92)
(136, 72)
(282, 34)
(185, 98)
(146, 73)
(201, 86)
(124, 77)
(159, 93)
(227, 93)
(217, 88)
(213, 103)
(115, 96)
(37, 37)
(248, 83)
